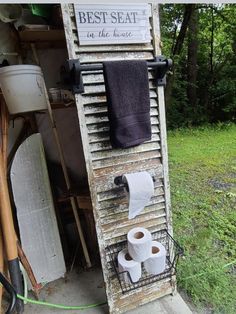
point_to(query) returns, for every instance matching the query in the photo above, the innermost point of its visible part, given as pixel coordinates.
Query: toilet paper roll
(126, 263)
(157, 261)
(141, 189)
(139, 244)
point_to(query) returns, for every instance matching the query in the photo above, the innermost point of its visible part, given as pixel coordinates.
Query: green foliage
(216, 65)
(203, 191)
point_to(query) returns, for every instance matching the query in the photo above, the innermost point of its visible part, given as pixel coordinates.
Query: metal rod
(119, 181)
(154, 64)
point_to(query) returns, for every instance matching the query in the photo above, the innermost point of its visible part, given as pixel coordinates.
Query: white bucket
(23, 88)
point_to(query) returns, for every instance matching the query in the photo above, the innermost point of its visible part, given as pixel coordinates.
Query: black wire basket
(173, 252)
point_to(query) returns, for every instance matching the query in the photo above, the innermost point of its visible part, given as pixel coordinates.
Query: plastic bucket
(23, 88)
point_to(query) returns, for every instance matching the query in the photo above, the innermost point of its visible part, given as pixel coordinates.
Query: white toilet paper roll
(139, 244)
(157, 261)
(141, 189)
(126, 263)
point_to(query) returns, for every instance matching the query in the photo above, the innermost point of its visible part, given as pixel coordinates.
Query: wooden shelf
(43, 38)
(35, 35)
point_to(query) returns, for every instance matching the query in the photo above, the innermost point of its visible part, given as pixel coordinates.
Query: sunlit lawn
(203, 190)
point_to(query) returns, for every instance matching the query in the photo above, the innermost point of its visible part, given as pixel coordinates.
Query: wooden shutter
(110, 206)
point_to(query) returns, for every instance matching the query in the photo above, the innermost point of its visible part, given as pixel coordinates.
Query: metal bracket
(71, 76)
(160, 71)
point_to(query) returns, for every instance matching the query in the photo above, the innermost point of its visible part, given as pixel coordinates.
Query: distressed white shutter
(103, 163)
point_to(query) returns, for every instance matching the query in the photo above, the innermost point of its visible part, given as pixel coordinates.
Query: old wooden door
(103, 163)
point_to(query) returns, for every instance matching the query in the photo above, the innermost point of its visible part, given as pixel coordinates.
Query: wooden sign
(112, 23)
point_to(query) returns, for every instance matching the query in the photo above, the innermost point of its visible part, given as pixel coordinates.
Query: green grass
(203, 192)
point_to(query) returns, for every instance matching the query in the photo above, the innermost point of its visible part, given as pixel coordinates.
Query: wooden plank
(100, 89)
(113, 213)
(120, 169)
(163, 134)
(35, 211)
(120, 48)
(102, 108)
(148, 146)
(162, 117)
(99, 129)
(121, 202)
(114, 56)
(120, 230)
(74, 29)
(110, 223)
(104, 136)
(106, 145)
(97, 110)
(96, 77)
(119, 212)
(68, 11)
(101, 99)
(110, 47)
(102, 118)
(120, 160)
(139, 298)
(118, 192)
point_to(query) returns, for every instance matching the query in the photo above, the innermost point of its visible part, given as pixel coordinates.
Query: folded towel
(128, 102)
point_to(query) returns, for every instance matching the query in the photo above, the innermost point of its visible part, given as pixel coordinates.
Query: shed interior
(45, 45)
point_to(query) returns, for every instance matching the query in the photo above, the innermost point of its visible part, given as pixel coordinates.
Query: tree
(201, 40)
(177, 47)
(192, 60)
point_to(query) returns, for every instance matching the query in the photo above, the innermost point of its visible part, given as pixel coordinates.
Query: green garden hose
(60, 306)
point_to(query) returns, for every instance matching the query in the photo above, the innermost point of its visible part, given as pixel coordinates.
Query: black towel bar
(71, 72)
(97, 67)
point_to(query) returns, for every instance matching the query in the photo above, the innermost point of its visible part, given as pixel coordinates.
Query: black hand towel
(128, 102)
